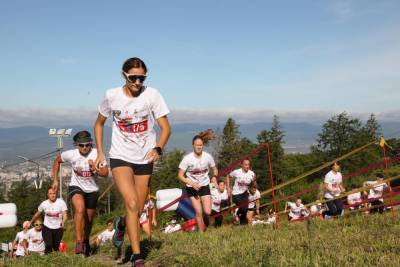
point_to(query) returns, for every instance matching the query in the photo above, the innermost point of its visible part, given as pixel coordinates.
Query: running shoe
(118, 237)
(137, 262)
(86, 248)
(79, 247)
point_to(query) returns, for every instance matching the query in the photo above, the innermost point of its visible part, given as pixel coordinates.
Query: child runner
(242, 178)
(135, 109)
(82, 190)
(193, 171)
(254, 202)
(55, 216)
(376, 193)
(333, 188)
(35, 239)
(20, 241)
(296, 210)
(219, 198)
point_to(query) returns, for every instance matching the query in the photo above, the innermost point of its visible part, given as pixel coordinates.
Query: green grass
(354, 241)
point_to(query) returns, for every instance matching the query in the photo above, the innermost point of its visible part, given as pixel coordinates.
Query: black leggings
(51, 238)
(380, 207)
(241, 201)
(335, 207)
(218, 219)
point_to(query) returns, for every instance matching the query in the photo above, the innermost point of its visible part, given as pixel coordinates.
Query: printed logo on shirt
(53, 214)
(198, 171)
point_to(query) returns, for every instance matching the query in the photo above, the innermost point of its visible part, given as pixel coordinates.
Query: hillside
(355, 241)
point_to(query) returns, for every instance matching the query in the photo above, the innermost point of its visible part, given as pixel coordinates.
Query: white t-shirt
(106, 235)
(172, 228)
(354, 198)
(242, 180)
(82, 176)
(19, 238)
(377, 190)
(53, 212)
(334, 180)
(296, 211)
(252, 199)
(133, 133)
(35, 241)
(217, 197)
(145, 214)
(197, 169)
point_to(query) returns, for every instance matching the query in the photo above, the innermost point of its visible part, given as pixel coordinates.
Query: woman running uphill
(193, 171)
(82, 190)
(134, 109)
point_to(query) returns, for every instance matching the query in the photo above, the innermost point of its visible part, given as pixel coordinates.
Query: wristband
(158, 150)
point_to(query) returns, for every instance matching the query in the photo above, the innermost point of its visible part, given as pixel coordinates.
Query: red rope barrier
(272, 183)
(345, 177)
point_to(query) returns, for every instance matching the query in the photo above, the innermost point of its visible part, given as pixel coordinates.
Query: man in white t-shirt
(55, 217)
(219, 198)
(35, 239)
(241, 179)
(333, 189)
(375, 194)
(296, 210)
(20, 241)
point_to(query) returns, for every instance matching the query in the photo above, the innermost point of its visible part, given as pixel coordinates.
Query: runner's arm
(98, 133)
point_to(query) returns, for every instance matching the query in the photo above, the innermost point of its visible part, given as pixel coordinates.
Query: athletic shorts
(90, 198)
(203, 191)
(138, 169)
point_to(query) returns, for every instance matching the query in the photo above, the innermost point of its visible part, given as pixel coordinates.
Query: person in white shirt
(106, 235)
(135, 109)
(145, 218)
(254, 202)
(333, 188)
(241, 179)
(219, 198)
(20, 241)
(193, 172)
(35, 239)
(375, 193)
(354, 200)
(296, 210)
(82, 190)
(172, 227)
(55, 216)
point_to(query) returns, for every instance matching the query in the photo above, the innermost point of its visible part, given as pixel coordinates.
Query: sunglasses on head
(133, 77)
(85, 145)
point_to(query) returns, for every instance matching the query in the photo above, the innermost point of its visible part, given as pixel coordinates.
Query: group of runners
(135, 109)
(370, 199)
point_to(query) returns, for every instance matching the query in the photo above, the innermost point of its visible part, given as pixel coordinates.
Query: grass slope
(355, 241)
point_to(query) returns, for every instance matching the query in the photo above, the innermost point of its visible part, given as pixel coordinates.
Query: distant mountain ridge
(34, 141)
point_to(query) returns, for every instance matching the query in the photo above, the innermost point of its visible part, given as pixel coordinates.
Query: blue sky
(206, 57)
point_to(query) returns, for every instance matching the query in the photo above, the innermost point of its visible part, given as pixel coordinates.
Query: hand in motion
(196, 186)
(152, 156)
